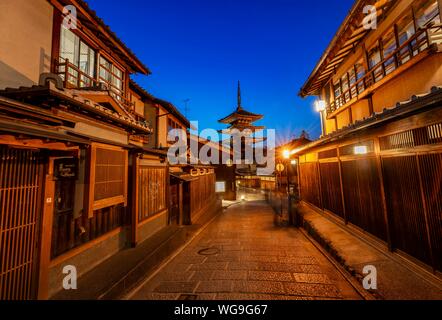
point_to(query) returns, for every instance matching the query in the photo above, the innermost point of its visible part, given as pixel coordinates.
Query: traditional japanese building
(83, 148)
(378, 166)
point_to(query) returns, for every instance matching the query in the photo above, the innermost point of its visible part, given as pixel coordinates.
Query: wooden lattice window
(152, 191)
(108, 177)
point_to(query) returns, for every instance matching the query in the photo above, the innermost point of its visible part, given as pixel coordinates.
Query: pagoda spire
(239, 96)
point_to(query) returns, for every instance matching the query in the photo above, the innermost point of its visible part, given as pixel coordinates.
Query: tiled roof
(173, 110)
(73, 97)
(240, 113)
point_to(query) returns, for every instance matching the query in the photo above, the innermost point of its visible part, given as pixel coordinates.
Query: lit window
(81, 59)
(374, 58)
(360, 73)
(389, 46)
(112, 76)
(405, 31)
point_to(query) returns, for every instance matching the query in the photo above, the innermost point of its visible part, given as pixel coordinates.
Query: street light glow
(320, 105)
(286, 154)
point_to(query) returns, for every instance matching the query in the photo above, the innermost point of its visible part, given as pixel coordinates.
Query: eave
(89, 18)
(349, 35)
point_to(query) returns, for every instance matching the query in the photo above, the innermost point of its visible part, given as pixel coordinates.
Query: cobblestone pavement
(241, 255)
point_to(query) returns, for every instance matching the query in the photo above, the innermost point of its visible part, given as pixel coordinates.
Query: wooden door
(174, 204)
(21, 181)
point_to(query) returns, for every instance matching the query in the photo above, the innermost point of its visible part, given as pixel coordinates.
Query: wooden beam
(46, 231)
(425, 207)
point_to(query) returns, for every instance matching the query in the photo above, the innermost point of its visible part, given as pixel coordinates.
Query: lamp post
(286, 154)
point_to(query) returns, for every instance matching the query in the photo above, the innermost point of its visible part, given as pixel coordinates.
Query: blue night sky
(199, 49)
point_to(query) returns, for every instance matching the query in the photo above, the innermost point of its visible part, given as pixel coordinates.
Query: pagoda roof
(239, 114)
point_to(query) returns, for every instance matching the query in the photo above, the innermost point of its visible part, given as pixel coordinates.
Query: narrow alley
(241, 255)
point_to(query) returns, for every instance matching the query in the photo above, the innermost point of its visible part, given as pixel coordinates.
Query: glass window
(389, 47)
(80, 56)
(345, 88)
(426, 12)
(337, 90)
(112, 76)
(406, 30)
(352, 78)
(360, 73)
(374, 58)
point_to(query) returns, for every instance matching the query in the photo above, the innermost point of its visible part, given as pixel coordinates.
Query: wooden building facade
(378, 165)
(83, 162)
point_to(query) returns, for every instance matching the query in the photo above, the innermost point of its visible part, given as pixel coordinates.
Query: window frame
(92, 204)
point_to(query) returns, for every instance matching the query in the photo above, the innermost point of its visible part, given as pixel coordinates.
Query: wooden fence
(394, 191)
(21, 176)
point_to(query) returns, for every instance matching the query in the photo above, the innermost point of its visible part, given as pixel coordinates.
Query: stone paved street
(241, 255)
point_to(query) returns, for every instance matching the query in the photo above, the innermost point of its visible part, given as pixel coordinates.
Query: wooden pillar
(425, 207)
(318, 166)
(134, 200)
(46, 232)
(439, 2)
(342, 186)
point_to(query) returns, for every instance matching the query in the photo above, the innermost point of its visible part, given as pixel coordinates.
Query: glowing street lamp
(286, 154)
(320, 107)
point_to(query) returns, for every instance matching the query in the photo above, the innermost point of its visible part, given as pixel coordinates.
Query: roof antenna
(186, 107)
(239, 96)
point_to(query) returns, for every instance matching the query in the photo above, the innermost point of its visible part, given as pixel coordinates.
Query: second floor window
(426, 12)
(81, 69)
(389, 47)
(406, 31)
(374, 58)
(360, 73)
(112, 76)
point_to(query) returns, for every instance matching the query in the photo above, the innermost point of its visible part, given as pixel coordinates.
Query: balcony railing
(418, 43)
(74, 77)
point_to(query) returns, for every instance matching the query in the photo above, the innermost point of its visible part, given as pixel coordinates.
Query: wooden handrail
(373, 73)
(90, 81)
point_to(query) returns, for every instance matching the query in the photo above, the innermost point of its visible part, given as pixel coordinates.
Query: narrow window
(80, 69)
(374, 59)
(389, 48)
(427, 15)
(406, 31)
(360, 73)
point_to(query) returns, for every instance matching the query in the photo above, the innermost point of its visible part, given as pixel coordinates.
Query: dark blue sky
(199, 49)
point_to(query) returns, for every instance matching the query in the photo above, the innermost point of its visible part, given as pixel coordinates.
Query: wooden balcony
(74, 78)
(420, 42)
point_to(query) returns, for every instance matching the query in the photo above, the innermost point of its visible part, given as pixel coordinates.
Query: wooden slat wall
(363, 201)
(431, 170)
(331, 188)
(411, 181)
(309, 180)
(20, 213)
(405, 207)
(202, 191)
